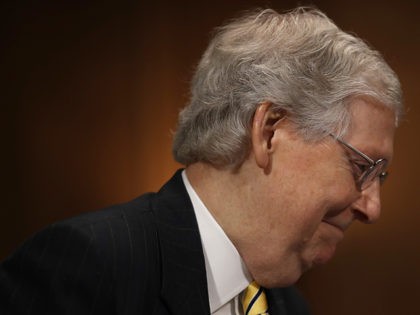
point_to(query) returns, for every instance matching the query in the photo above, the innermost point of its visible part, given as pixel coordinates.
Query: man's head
(268, 93)
(299, 61)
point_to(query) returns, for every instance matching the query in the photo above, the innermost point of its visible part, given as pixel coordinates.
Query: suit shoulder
(103, 254)
(139, 207)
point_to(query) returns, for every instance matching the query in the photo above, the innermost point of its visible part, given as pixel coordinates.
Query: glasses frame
(376, 169)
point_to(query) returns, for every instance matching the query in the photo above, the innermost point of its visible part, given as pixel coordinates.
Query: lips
(337, 226)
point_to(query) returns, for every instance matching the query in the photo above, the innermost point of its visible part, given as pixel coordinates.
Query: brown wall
(91, 92)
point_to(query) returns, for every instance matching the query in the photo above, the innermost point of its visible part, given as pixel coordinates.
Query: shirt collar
(227, 275)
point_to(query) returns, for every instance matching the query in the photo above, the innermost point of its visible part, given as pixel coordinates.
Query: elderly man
(286, 141)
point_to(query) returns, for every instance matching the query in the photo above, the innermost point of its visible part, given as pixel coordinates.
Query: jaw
(271, 269)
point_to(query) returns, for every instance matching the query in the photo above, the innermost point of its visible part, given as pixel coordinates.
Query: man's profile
(285, 141)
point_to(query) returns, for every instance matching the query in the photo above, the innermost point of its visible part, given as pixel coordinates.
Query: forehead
(372, 128)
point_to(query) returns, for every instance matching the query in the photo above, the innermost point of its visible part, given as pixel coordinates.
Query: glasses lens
(369, 176)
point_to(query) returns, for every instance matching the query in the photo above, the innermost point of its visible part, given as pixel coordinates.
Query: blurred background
(91, 92)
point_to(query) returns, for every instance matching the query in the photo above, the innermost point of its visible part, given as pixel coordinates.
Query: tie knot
(254, 301)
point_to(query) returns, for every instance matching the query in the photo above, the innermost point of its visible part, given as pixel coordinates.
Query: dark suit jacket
(142, 257)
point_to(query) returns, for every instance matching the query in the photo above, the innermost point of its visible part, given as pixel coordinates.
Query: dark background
(91, 92)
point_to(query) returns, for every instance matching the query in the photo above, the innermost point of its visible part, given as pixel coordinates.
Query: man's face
(302, 206)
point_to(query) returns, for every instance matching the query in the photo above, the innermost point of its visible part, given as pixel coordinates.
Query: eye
(359, 167)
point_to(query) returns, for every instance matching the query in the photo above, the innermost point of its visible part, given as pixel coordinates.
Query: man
(286, 140)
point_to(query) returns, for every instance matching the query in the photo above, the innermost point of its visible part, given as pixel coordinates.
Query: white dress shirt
(227, 275)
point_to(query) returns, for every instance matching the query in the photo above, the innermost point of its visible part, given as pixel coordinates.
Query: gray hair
(299, 61)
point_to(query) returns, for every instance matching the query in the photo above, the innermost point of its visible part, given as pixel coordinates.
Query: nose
(367, 208)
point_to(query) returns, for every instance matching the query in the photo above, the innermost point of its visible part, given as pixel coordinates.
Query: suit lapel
(275, 301)
(184, 284)
(283, 301)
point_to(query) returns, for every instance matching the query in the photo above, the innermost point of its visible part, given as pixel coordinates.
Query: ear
(263, 127)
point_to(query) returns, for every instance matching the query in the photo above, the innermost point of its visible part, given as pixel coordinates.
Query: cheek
(299, 225)
(305, 225)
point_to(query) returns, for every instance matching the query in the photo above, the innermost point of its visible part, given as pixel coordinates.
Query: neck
(226, 194)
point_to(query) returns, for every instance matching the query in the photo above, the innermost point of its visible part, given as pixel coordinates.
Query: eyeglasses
(366, 173)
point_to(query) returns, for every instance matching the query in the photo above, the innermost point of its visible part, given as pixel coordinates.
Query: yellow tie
(254, 301)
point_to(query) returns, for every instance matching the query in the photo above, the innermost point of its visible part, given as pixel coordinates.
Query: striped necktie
(254, 301)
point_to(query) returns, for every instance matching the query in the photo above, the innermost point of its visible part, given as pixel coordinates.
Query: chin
(275, 280)
(279, 283)
(324, 255)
